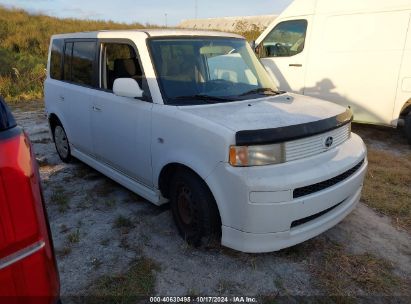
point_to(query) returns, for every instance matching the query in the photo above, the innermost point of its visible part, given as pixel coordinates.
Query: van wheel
(408, 127)
(194, 209)
(62, 144)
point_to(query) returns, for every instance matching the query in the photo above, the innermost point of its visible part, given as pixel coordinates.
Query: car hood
(267, 113)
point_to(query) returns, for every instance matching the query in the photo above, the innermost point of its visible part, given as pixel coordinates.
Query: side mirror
(258, 50)
(127, 87)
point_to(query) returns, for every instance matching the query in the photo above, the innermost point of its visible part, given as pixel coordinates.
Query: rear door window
(83, 58)
(80, 63)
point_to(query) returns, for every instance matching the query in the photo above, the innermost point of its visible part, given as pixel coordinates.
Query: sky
(149, 11)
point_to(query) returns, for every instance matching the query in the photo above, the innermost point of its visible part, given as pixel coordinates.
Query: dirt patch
(105, 233)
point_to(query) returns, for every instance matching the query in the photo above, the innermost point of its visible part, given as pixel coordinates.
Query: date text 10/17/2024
(198, 299)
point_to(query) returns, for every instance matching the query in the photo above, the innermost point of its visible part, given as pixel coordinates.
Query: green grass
(105, 242)
(340, 272)
(82, 171)
(138, 281)
(24, 43)
(110, 203)
(336, 272)
(21, 75)
(62, 253)
(104, 188)
(387, 187)
(60, 198)
(74, 237)
(123, 222)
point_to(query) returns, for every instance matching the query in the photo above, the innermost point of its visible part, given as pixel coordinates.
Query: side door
(403, 97)
(284, 53)
(121, 126)
(79, 76)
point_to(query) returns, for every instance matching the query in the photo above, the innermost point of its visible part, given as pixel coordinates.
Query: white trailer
(355, 53)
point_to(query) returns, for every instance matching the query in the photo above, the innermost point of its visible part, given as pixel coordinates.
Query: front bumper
(267, 242)
(257, 207)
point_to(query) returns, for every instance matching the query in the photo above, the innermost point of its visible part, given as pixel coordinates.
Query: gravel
(94, 203)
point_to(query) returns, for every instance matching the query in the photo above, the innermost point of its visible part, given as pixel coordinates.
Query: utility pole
(166, 21)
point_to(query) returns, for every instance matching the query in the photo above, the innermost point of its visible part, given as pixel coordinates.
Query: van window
(79, 58)
(225, 63)
(55, 58)
(285, 40)
(68, 53)
(84, 53)
(119, 60)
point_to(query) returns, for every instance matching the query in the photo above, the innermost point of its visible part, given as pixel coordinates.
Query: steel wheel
(62, 143)
(184, 203)
(408, 127)
(194, 209)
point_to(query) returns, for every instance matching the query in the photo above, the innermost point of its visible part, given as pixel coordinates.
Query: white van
(355, 53)
(193, 118)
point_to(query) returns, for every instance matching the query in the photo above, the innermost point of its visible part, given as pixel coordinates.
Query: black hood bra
(283, 134)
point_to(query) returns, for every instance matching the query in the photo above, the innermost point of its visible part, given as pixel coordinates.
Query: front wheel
(408, 127)
(62, 144)
(194, 209)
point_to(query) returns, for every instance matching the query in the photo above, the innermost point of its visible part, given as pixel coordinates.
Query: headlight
(247, 156)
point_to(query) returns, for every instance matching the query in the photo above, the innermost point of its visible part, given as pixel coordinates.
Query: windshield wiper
(205, 98)
(265, 91)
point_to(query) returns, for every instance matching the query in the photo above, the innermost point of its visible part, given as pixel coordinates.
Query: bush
(250, 31)
(21, 76)
(24, 42)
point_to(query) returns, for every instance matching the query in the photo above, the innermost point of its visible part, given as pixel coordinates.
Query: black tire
(407, 127)
(194, 209)
(61, 143)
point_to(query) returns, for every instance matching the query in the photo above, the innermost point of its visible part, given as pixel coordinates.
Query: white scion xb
(193, 118)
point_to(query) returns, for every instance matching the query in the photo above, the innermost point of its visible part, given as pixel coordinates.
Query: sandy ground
(84, 203)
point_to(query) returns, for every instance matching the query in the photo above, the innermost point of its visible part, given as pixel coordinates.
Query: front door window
(285, 40)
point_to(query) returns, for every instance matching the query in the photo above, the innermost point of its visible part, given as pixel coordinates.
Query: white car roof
(148, 32)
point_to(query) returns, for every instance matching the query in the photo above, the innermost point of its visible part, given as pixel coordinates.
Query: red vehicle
(28, 270)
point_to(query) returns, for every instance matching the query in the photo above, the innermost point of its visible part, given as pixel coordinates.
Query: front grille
(312, 217)
(300, 192)
(310, 146)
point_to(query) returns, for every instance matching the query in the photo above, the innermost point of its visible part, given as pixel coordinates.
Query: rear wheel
(408, 127)
(62, 144)
(194, 209)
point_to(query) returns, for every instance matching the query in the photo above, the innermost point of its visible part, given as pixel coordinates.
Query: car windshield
(208, 70)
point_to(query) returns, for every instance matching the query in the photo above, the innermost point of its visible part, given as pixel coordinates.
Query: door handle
(96, 109)
(61, 98)
(297, 65)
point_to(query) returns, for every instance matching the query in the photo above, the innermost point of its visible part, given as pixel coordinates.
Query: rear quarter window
(55, 59)
(6, 119)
